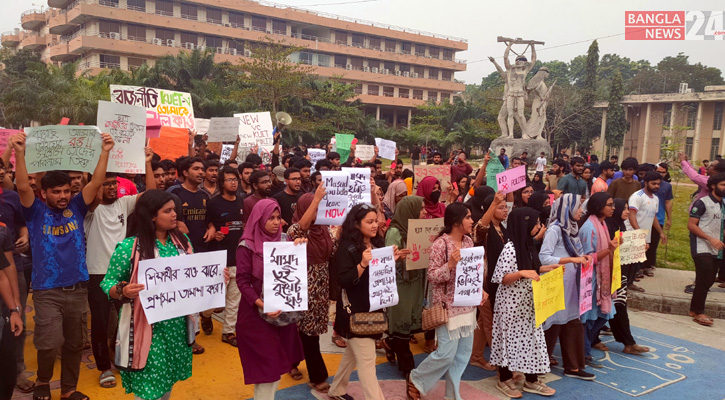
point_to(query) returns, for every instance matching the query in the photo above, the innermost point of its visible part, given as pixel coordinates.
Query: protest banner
(585, 287)
(386, 148)
(364, 152)
(616, 266)
(171, 144)
(469, 278)
(285, 277)
(202, 126)
(334, 206)
(223, 129)
(344, 143)
(182, 285)
(511, 180)
(172, 108)
(358, 185)
(127, 125)
(266, 153)
(153, 127)
(421, 235)
(634, 247)
(315, 156)
(225, 153)
(382, 288)
(440, 172)
(255, 129)
(5, 141)
(63, 147)
(548, 295)
(493, 168)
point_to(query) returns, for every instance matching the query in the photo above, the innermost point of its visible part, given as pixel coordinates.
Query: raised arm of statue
(506, 56)
(498, 68)
(533, 58)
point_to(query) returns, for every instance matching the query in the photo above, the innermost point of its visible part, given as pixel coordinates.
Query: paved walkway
(665, 293)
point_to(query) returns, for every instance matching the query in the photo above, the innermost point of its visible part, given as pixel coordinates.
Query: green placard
(493, 168)
(343, 142)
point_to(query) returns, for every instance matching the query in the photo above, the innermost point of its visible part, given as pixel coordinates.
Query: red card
(64, 121)
(224, 230)
(354, 141)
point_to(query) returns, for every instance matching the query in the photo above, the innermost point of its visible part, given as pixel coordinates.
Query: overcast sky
(556, 22)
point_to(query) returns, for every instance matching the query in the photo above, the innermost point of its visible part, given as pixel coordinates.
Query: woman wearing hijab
(562, 246)
(404, 319)
(521, 196)
(540, 202)
(321, 245)
(396, 191)
(265, 350)
(538, 182)
(475, 203)
(518, 345)
(429, 189)
(594, 237)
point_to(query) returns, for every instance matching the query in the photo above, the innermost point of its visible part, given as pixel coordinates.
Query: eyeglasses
(109, 184)
(230, 180)
(609, 205)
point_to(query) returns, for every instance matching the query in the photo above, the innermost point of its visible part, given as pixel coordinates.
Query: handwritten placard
(382, 287)
(364, 152)
(469, 278)
(386, 148)
(63, 147)
(616, 266)
(343, 142)
(421, 235)
(182, 285)
(334, 206)
(127, 125)
(358, 185)
(634, 247)
(226, 152)
(255, 129)
(171, 144)
(315, 156)
(285, 277)
(440, 172)
(493, 168)
(5, 142)
(202, 126)
(223, 129)
(585, 287)
(172, 108)
(548, 295)
(511, 180)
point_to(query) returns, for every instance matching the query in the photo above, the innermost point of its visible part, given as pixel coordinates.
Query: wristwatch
(16, 309)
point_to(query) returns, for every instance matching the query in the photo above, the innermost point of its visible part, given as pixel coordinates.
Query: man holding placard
(60, 274)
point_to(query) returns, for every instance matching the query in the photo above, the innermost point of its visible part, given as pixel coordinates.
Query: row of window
(691, 109)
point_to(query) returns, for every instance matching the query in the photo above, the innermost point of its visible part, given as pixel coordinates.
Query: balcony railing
(32, 11)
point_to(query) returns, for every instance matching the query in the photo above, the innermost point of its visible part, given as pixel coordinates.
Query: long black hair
(351, 231)
(596, 203)
(455, 214)
(141, 225)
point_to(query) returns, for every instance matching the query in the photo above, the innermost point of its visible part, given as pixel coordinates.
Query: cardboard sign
(421, 235)
(315, 156)
(382, 288)
(171, 144)
(226, 152)
(344, 143)
(334, 206)
(440, 172)
(202, 126)
(255, 129)
(127, 125)
(5, 135)
(634, 247)
(285, 277)
(172, 108)
(493, 168)
(358, 185)
(469, 278)
(62, 147)
(586, 292)
(617, 266)
(511, 180)
(386, 148)
(365, 152)
(223, 129)
(548, 295)
(182, 285)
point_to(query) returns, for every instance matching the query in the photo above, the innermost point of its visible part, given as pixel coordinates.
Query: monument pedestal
(514, 147)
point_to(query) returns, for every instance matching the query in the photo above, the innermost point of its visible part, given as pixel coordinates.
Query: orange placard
(171, 144)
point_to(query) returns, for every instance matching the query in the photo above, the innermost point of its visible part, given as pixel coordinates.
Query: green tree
(617, 124)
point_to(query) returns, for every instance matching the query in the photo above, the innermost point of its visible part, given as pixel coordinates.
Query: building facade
(691, 122)
(394, 69)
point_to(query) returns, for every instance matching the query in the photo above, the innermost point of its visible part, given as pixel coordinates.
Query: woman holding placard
(518, 345)
(455, 338)
(267, 351)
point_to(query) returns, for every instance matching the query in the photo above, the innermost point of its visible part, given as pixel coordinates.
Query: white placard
(334, 206)
(386, 148)
(202, 126)
(127, 125)
(255, 129)
(315, 156)
(224, 129)
(365, 152)
(382, 288)
(358, 185)
(469, 278)
(182, 285)
(227, 150)
(285, 277)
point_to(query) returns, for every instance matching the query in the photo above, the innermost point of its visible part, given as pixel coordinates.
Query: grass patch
(676, 255)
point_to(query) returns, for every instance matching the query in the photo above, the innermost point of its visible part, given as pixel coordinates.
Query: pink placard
(585, 288)
(5, 141)
(64, 121)
(511, 180)
(153, 127)
(552, 198)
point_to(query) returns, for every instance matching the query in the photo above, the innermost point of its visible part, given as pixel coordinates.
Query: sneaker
(580, 374)
(342, 397)
(538, 387)
(207, 325)
(590, 361)
(508, 388)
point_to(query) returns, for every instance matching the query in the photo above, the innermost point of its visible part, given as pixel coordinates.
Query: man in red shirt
(460, 167)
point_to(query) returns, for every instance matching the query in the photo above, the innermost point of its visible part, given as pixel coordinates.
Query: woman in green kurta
(153, 223)
(404, 319)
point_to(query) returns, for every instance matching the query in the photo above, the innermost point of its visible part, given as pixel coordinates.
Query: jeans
(591, 333)
(705, 271)
(100, 317)
(450, 360)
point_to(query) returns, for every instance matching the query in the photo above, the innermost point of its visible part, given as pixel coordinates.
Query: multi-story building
(394, 69)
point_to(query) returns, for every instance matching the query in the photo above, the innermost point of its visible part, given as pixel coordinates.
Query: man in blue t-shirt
(60, 274)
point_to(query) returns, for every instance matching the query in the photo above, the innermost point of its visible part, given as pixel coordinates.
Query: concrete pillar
(696, 140)
(377, 113)
(645, 142)
(604, 131)
(395, 118)
(410, 116)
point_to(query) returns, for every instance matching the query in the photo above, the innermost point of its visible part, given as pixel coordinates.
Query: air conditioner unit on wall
(220, 50)
(415, 75)
(376, 70)
(348, 67)
(233, 52)
(386, 71)
(406, 74)
(189, 46)
(367, 69)
(114, 35)
(158, 41)
(171, 42)
(247, 53)
(398, 73)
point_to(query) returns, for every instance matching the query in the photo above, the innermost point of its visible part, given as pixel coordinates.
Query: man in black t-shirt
(287, 198)
(193, 203)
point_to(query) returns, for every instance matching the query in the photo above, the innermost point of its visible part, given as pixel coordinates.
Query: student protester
(516, 162)
(606, 172)
(460, 167)
(595, 240)
(664, 216)
(615, 160)
(245, 172)
(105, 226)
(706, 226)
(287, 198)
(518, 345)
(211, 174)
(278, 183)
(521, 196)
(437, 159)
(429, 189)
(60, 273)
(504, 158)
(587, 178)
(261, 186)
(194, 201)
(556, 173)
(225, 213)
(562, 246)
(643, 208)
(476, 202)
(359, 236)
(305, 167)
(316, 179)
(396, 192)
(541, 162)
(537, 182)
(622, 188)
(266, 351)
(573, 182)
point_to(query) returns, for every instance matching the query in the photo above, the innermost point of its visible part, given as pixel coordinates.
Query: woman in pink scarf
(429, 189)
(594, 237)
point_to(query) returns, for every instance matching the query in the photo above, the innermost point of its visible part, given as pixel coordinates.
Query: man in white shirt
(541, 163)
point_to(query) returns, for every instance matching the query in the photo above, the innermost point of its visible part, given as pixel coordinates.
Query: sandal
(41, 392)
(389, 353)
(107, 380)
(75, 396)
(339, 341)
(295, 374)
(321, 387)
(229, 338)
(411, 391)
(601, 347)
(701, 319)
(24, 385)
(196, 349)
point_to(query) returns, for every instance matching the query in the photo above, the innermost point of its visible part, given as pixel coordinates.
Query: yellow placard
(616, 266)
(548, 295)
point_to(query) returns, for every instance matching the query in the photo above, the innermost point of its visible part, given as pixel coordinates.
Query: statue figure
(541, 94)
